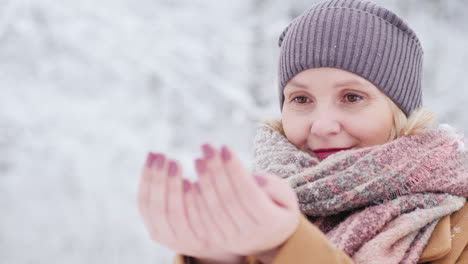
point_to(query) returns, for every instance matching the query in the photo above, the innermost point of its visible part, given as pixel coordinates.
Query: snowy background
(89, 87)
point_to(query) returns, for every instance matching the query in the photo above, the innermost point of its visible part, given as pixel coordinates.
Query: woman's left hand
(256, 214)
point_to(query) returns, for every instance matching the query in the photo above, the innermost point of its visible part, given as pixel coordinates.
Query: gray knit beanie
(360, 37)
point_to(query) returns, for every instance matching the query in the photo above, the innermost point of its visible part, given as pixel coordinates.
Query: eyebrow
(340, 84)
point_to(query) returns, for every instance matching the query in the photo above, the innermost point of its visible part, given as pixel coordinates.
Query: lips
(324, 153)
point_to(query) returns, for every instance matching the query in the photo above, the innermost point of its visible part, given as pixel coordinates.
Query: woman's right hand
(170, 207)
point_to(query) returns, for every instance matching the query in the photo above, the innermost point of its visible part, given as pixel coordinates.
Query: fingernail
(260, 180)
(172, 171)
(149, 160)
(159, 160)
(208, 151)
(200, 166)
(225, 153)
(186, 185)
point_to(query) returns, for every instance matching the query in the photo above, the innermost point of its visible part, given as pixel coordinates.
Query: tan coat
(447, 245)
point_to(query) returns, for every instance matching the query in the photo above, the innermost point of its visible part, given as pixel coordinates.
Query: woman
(354, 172)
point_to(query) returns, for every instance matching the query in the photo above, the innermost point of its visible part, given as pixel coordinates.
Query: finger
(198, 223)
(227, 202)
(161, 230)
(144, 187)
(209, 231)
(209, 200)
(279, 191)
(175, 205)
(255, 201)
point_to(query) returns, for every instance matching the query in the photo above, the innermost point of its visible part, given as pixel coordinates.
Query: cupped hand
(228, 214)
(174, 212)
(252, 214)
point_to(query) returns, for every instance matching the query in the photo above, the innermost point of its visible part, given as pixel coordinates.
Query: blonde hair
(419, 121)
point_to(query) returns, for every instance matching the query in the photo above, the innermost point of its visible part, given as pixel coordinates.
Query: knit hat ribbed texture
(360, 37)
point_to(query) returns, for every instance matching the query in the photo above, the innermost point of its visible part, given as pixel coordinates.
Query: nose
(325, 127)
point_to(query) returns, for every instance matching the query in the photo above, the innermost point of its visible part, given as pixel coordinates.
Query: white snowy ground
(89, 87)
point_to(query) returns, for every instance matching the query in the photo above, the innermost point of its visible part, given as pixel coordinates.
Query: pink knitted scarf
(378, 204)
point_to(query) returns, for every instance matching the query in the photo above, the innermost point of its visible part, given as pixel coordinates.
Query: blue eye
(352, 98)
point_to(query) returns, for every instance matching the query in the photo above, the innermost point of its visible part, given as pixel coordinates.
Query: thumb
(278, 191)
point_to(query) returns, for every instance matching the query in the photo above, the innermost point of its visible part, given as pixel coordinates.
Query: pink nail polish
(200, 166)
(150, 159)
(225, 153)
(172, 171)
(208, 151)
(159, 161)
(186, 185)
(260, 180)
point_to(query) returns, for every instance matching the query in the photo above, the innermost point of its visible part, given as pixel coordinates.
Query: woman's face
(326, 110)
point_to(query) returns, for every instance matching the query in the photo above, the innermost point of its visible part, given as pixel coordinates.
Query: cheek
(295, 128)
(373, 128)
